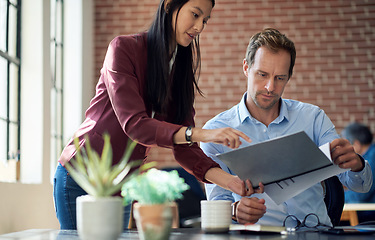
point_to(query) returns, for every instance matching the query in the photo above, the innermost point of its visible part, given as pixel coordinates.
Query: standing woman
(146, 93)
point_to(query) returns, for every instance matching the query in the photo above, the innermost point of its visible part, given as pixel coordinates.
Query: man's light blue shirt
(294, 117)
(369, 197)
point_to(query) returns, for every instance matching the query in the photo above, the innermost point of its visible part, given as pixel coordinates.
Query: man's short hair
(273, 40)
(357, 131)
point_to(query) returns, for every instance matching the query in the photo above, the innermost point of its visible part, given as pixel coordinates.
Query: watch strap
(188, 133)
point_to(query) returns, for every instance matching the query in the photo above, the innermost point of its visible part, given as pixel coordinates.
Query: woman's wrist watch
(188, 134)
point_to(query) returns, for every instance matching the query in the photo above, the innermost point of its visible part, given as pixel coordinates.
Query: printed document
(286, 166)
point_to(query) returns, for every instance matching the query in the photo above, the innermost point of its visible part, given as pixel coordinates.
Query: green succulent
(95, 174)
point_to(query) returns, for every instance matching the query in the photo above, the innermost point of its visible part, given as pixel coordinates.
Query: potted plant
(100, 214)
(155, 192)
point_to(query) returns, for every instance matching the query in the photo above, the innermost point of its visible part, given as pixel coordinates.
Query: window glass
(9, 81)
(12, 38)
(3, 88)
(58, 21)
(13, 152)
(3, 24)
(13, 93)
(14, 108)
(3, 140)
(57, 79)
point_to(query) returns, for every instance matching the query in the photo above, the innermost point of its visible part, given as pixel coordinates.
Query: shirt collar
(284, 114)
(244, 112)
(242, 109)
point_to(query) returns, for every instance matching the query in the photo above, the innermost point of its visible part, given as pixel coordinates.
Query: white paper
(281, 191)
(276, 159)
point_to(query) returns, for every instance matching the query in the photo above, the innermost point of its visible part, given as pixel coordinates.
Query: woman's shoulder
(126, 49)
(130, 41)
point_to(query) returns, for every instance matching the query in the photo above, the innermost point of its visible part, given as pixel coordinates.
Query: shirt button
(265, 130)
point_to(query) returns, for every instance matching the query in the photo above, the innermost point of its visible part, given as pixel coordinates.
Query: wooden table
(349, 212)
(183, 234)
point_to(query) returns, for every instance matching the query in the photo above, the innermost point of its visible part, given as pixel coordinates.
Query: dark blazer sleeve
(192, 158)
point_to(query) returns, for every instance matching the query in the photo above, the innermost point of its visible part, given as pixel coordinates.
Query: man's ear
(166, 5)
(245, 67)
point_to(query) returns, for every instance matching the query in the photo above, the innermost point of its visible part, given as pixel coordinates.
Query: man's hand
(344, 156)
(250, 210)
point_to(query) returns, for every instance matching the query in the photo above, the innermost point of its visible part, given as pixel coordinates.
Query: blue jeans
(65, 192)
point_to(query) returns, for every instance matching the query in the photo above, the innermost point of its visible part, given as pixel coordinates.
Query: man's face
(267, 78)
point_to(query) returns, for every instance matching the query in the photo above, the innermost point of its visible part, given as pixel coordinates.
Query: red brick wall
(335, 41)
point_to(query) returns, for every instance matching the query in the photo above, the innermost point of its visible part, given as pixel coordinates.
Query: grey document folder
(276, 160)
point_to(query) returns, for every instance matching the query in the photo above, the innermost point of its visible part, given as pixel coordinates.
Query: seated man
(361, 137)
(262, 114)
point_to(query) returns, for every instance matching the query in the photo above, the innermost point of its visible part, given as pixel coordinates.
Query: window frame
(57, 80)
(37, 162)
(12, 57)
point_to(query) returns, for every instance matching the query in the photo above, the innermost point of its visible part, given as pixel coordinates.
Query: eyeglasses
(311, 220)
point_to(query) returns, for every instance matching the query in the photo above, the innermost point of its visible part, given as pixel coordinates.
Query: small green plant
(95, 174)
(154, 187)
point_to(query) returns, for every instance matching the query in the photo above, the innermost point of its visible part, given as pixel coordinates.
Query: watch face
(188, 134)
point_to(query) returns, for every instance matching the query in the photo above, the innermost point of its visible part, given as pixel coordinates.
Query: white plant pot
(99, 218)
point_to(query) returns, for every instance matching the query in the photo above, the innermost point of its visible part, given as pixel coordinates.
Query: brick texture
(335, 66)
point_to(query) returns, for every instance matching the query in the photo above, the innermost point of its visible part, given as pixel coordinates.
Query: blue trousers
(65, 193)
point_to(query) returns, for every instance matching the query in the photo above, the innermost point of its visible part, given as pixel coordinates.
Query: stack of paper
(256, 228)
(286, 166)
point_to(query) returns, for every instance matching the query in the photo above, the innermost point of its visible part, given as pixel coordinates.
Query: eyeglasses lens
(291, 222)
(311, 221)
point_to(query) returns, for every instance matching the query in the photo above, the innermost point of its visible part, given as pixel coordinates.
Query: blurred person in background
(361, 137)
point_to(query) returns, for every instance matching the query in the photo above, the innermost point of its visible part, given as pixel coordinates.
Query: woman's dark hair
(184, 82)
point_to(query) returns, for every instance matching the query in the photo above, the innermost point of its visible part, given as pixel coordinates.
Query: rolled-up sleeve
(358, 181)
(194, 160)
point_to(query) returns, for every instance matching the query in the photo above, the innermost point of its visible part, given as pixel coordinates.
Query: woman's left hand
(244, 188)
(233, 183)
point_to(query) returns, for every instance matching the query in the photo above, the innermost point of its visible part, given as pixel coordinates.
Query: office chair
(334, 198)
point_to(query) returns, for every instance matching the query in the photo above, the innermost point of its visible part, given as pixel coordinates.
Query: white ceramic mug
(216, 216)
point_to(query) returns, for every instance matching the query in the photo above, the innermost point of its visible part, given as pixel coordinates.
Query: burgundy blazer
(119, 108)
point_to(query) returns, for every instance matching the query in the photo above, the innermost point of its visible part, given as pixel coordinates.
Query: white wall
(29, 204)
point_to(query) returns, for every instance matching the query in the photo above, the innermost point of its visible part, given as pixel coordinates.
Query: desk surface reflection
(182, 234)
